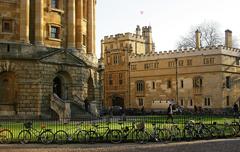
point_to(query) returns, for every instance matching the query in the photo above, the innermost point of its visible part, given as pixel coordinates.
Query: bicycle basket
(28, 125)
(140, 126)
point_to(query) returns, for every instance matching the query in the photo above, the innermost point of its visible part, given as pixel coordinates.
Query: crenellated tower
(147, 34)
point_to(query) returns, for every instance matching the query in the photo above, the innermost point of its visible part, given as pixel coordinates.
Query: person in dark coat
(235, 110)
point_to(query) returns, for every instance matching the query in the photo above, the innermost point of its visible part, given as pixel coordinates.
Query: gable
(63, 58)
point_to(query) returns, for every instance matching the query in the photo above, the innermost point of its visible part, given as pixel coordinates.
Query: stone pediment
(63, 57)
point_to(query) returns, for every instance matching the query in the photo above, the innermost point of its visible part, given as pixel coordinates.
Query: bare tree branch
(210, 36)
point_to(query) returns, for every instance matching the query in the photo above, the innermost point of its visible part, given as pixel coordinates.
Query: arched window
(197, 82)
(140, 86)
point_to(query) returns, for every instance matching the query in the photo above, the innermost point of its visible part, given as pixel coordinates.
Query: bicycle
(158, 134)
(188, 130)
(6, 136)
(137, 132)
(46, 136)
(174, 132)
(215, 130)
(111, 135)
(63, 136)
(202, 131)
(229, 129)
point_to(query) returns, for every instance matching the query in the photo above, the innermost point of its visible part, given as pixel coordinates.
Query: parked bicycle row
(123, 131)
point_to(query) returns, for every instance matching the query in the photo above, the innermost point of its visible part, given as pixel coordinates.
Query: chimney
(228, 38)
(198, 39)
(138, 30)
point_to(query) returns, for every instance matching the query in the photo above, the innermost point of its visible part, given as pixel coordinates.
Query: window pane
(54, 4)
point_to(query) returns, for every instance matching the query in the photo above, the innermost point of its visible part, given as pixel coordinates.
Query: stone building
(48, 66)
(135, 77)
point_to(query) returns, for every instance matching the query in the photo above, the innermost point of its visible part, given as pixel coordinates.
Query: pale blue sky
(169, 18)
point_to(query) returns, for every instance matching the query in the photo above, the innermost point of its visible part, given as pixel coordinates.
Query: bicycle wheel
(229, 131)
(6, 136)
(47, 137)
(114, 136)
(82, 136)
(142, 136)
(158, 135)
(216, 132)
(60, 137)
(24, 137)
(175, 133)
(92, 137)
(188, 134)
(205, 133)
(164, 134)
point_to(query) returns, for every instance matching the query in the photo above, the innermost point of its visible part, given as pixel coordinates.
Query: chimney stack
(198, 39)
(228, 38)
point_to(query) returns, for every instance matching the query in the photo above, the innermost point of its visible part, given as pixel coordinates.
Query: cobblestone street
(221, 145)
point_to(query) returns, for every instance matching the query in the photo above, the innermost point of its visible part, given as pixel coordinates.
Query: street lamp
(176, 63)
(129, 85)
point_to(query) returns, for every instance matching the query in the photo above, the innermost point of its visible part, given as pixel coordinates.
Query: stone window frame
(190, 103)
(140, 102)
(9, 20)
(116, 59)
(227, 101)
(50, 25)
(120, 75)
(169, 84)
(84, 38)
(180, 62)
(207, 61)
(207, 101)
(198, 82)
(58, 9)
(181, 101)
(228, 82)
(189, 62)
(153, 85)
(237, 60)
(140, 86)
(182, 83)
(110, 81)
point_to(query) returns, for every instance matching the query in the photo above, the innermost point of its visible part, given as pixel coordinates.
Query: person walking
(170, 113)
(235, 110)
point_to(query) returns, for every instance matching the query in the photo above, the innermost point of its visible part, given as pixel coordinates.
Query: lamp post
(129, 85)
(176, 63)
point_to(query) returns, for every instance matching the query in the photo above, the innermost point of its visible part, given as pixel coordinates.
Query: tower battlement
(186, 52)
(127, 35)
(146, 29)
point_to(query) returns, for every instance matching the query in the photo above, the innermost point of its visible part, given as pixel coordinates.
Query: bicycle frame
(126, 133)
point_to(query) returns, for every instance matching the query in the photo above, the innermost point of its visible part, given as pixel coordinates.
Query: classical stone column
(94, 27)
(39, 22)
(24, 21)
(90, 25)
(79, 18)
(71, 25)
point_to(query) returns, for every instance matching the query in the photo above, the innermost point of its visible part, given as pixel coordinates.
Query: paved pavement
(220, 145)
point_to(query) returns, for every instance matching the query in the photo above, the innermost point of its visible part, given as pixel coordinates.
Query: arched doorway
(8, 93)
(62, 83)
(90, 90)
(117, 101)
(57, 86)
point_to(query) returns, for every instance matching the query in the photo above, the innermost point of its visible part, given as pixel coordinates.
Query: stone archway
(8, 94)
(91, 96)
(118, 101)
(57, 86)
(62, 85)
